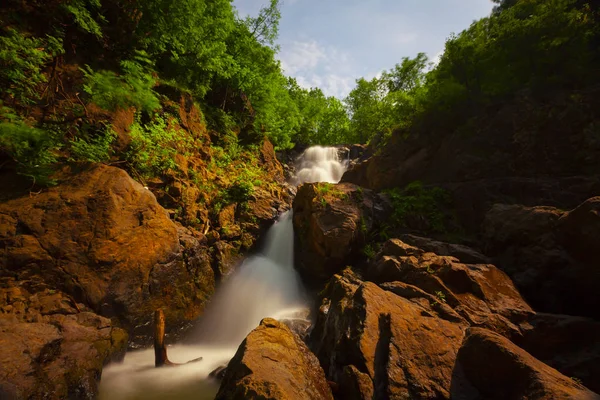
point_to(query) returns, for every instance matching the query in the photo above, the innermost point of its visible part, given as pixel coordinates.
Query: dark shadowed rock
(273, 363)
(579, 232)
(550, 254)
(569, 344)
(495, 368)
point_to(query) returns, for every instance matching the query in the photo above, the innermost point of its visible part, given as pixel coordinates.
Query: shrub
(154, 145)
(97, 148)
(21, 62)
(32, 149)
(416, 201)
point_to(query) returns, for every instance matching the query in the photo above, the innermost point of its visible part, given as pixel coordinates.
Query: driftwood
(160, 350)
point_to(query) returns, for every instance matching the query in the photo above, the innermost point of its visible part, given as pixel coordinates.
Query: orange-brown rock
(331, 222)
(103, 239)
(480, 293)
(52, 348)
(492, 367)
(374, 341)
(274, 364)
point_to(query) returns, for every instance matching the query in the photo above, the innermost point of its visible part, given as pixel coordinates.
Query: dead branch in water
(160, 350)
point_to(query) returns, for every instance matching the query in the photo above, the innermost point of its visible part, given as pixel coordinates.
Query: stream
(264, 285)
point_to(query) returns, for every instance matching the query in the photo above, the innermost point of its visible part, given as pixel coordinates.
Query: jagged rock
(550, 254)
(331, 222)
(103, 239)
(495, 368)
(52, 348)
(376, 342)
(225, 259)
(273, 363)
(480, 293)
(464, 253)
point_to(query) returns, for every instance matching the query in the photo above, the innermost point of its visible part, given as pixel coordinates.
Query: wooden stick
(160, 351)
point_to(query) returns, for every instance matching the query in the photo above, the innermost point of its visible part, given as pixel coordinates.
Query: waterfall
(264, 285)
(319, 164)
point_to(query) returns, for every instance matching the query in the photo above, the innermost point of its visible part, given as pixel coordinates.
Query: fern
(83, 18)
(21, 62)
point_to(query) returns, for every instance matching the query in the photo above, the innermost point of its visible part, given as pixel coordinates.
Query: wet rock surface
(273, 363)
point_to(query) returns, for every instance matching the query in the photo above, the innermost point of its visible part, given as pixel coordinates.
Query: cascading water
(265, 285)
(319, 164)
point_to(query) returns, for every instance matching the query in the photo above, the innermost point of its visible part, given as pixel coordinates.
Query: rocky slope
(427, 319)
(87, 262)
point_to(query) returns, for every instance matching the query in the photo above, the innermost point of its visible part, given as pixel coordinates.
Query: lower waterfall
(264, 285)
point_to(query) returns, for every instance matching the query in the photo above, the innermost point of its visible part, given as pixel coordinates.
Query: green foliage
(96, 148)
(369, 251)
(80, 11)
(417, 203)
(133, 88)
(386, 103)
(534, 47)
(322, 120)
(22, 60)
(441, 297)
(32, 149)
(154, 146)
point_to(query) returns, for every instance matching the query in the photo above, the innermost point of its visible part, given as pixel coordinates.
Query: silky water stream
(264, 285)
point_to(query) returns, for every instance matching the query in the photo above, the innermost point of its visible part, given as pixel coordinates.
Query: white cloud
(315, 65)
(300, 56)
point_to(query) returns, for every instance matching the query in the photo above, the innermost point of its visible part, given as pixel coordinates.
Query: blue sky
(331, 43)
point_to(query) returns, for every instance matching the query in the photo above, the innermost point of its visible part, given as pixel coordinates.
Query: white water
(265, 285)
(319, 164)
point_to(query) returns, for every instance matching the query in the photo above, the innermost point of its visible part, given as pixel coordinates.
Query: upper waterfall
(319, 164)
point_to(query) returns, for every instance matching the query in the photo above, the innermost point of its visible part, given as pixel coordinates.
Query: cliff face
(542, 151)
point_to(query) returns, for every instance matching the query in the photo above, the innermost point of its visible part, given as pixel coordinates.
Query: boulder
(102, 238)
(331, 223)
(376, 344)
(52, 347)
(492, 367)
(480, 293)
(569, 344)
(579, 232)
(550, 254)
(273, 363)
